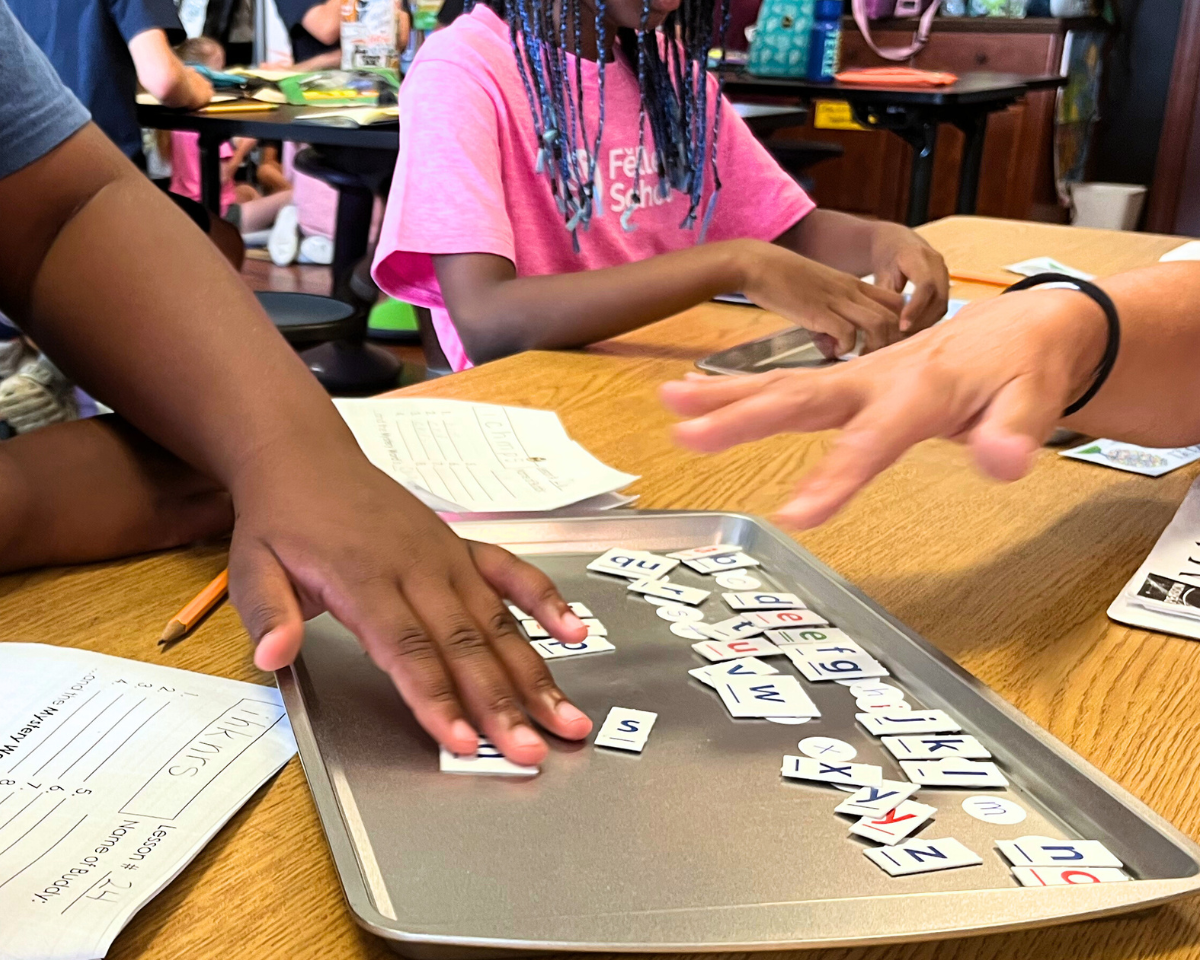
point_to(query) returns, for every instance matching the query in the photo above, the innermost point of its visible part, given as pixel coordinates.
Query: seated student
(315, 30)
(1003, 398)
(114, 283)
(241, 204)
(102, 49)
(553, 228)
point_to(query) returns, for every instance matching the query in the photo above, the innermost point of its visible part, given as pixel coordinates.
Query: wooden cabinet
(1018, 166)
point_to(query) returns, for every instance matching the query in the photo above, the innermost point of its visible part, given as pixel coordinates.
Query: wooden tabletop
(1012, 581)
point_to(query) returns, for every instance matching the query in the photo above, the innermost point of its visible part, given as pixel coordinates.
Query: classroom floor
(262, 274)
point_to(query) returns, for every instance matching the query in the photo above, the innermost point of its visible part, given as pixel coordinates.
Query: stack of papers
(460, 457)
(114, 774)
(1163, 595)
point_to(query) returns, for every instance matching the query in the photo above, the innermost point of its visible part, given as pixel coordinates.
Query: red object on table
(897, 77)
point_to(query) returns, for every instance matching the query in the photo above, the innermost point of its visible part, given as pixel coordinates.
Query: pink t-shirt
(466, 181)
(185, 168)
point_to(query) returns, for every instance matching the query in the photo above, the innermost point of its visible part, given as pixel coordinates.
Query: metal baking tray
(696, 844)
(790, 349)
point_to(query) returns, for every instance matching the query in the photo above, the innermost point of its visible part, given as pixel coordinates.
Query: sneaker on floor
(316, 249)
(284, 242)
(36, 396)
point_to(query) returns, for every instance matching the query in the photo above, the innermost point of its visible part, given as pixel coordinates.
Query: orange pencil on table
(190, 615)
(991, 279)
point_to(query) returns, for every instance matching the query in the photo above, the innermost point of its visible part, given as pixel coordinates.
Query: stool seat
(306, 318)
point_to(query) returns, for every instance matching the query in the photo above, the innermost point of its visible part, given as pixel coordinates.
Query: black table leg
(918, 128)
(210, 172)
(923, 140)
(974, 127)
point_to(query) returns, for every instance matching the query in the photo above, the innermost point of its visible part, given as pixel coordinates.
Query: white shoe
(316, 249)
(284, 242)
(37, 395)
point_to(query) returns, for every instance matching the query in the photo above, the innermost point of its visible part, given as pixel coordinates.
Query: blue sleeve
(37, 112)
(137, 16)
(291, 12)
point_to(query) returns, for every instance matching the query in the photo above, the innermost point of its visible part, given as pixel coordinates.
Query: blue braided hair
(671, 65)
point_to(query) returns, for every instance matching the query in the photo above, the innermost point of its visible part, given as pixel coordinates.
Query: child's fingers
(528, 588)
(263, 595)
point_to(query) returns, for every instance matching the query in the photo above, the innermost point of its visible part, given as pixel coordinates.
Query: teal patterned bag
(780, 44)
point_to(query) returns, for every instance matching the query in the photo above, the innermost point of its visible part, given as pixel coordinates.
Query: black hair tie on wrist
(1110, 314)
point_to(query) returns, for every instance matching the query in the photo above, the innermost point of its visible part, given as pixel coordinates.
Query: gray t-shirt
(37, 112)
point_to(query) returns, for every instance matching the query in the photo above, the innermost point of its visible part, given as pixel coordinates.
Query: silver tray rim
(1037, 907)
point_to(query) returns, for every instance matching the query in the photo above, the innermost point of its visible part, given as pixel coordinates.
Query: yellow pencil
(190, 615)
(238, 107)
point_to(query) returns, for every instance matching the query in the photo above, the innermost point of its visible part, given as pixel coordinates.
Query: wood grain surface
(1012, 581)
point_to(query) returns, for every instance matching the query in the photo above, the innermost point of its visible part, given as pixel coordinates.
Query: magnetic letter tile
(632, 564)
(594, 627)
(922, 856)
(788, 618)
(737, 581)
(716, 550)
(994, 809)
(715, 650)
(763, 601)
(954, 773)
(670, 591)
(1057, 876)
(793, 636)
(896, 824)
(735, 628)
(918, 721)
(936, 747)
(835, 666)
(534, 630)
(625, 729)
(731, 561)
(487, 759)
(832, 771)
(580, 610)
(555, 649)
(1044, 852)
(765, 697)
(876, 801)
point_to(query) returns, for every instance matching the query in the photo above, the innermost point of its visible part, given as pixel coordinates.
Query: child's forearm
(96, 489)
(496, 313)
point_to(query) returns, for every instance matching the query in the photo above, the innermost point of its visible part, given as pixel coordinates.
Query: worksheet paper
(479, 457)
(114, 774)
(1175, 559)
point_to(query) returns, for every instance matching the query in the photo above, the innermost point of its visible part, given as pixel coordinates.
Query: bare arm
(329, 60)
(96, 489)
(893, 253)
(130, 299)
(163, 74)
(997, 377)
(324, 21)
(496, 313)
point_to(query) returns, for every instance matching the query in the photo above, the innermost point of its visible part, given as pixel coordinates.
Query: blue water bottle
(825, 41)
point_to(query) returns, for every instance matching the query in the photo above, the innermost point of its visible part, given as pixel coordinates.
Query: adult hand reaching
(997, 377)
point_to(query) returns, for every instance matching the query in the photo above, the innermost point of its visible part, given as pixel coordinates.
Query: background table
(913, 113)
(382, 139)
(1012, 581)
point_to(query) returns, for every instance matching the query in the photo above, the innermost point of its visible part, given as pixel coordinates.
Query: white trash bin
(1107, 206)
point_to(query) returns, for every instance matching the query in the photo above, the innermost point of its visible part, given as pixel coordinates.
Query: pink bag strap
(924, 28)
